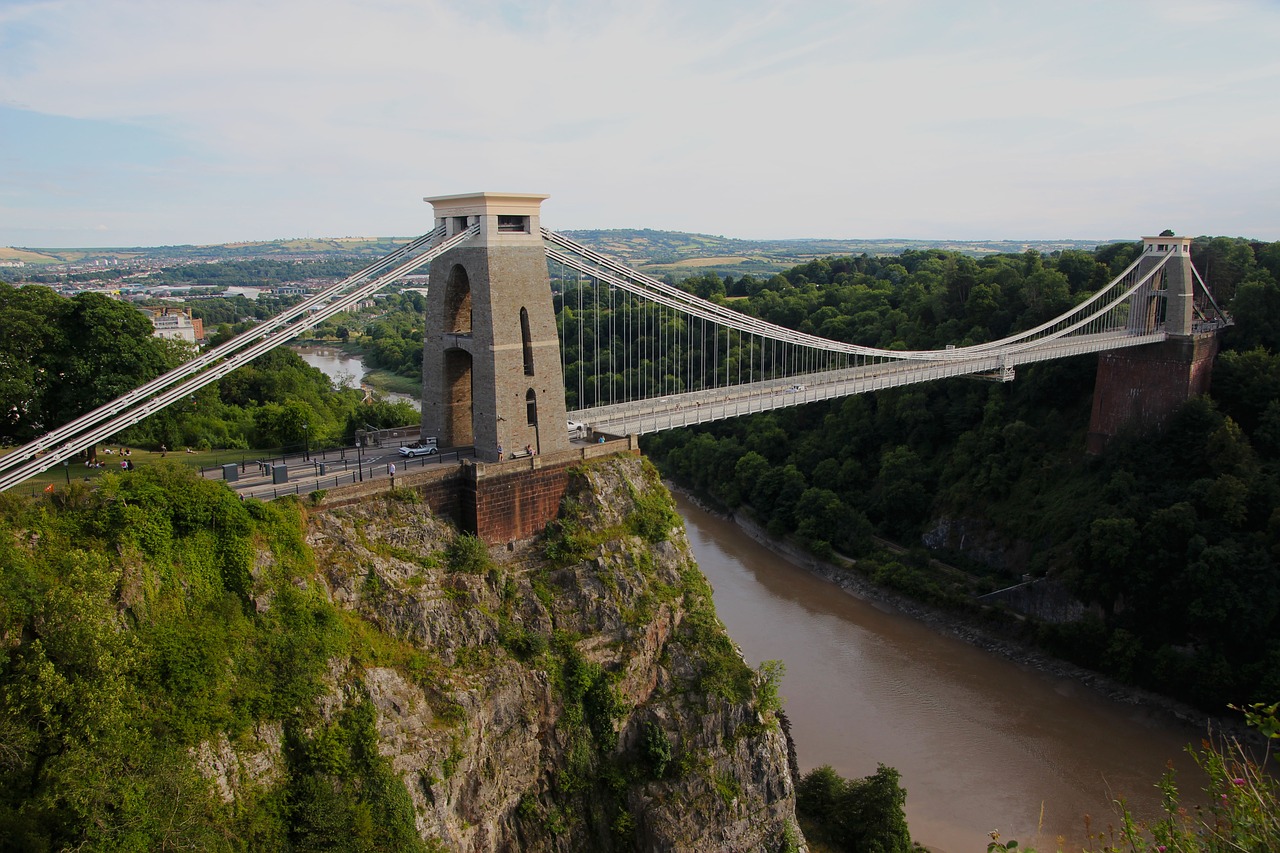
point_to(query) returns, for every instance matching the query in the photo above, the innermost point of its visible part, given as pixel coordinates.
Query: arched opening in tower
(527, 340)
(457, 301)
(531, 408)
(531, 416)
(457, 427)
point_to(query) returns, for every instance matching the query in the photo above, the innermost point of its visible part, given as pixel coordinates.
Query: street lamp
(360, 457)
(66, 469)
(306, 445)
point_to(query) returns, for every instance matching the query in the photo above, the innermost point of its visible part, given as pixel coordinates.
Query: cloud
(751, 118)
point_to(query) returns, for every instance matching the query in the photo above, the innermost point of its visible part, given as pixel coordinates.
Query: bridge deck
(641, 417)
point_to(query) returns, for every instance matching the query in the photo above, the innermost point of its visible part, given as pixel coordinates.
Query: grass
(77, 472)
(385, 380)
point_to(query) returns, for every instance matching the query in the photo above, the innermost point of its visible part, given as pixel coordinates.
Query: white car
(419, 448)
(576, 430)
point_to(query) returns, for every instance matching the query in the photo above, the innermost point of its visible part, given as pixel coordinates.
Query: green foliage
(1263, 718)
(137, 633)
(341, 793)
(727, 787)
(654, 516)
(566, 541)
(1241, 810)
(656, 749)
(1173, 536)
(467, 553)
(522, 643)
(590, 697)
(854, 814)
(393, 340)
(768, 687)
(723, 672)
(64, 357)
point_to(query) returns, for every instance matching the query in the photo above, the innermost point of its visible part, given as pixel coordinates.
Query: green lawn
(59, 474)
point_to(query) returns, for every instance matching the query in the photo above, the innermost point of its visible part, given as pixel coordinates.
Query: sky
(160, 122)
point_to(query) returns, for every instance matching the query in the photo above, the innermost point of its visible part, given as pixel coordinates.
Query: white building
(176, 324)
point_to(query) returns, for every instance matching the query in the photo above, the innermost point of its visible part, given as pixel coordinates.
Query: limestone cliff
(572, 693)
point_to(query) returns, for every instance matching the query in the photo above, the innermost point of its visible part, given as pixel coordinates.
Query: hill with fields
(655, 252)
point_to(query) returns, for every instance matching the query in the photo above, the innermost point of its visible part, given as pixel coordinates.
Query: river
(981, 742)
(345, 368)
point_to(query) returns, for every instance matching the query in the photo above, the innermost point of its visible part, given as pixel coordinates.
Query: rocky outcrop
(979, 541)
(571, 693)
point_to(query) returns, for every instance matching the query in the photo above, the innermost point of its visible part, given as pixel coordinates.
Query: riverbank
(393, 383)
(966, 629)
(376, 378)
(344, 365)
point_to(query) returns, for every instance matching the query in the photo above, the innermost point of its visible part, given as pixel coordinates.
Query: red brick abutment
(499, 502)
(1139, 388)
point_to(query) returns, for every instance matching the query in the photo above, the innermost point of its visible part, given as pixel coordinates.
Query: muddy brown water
(982, 743)
(345, 369)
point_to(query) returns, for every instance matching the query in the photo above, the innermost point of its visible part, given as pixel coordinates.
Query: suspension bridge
(627, 354)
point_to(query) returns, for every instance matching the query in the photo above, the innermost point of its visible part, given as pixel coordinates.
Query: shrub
(1242, 812)
(656, 749)
(654, 516)
(468, 554)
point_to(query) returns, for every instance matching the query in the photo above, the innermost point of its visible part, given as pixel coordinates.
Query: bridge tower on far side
(1140, 387)
(491, 374)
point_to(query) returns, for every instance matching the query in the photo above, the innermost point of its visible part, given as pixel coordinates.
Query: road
(327, 469)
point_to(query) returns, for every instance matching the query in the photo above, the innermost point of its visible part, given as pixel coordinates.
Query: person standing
(391, 469)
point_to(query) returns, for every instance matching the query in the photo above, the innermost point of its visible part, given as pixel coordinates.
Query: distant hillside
(654, 252)
(679, 253)
(293, 249)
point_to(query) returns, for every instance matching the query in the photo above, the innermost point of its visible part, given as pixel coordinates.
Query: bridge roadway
(641, 417)
(341, 466)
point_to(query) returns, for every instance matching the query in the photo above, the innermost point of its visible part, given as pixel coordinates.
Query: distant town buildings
(175, 324)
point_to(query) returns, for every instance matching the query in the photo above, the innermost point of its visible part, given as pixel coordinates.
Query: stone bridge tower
(491, 374)
(1140, 387)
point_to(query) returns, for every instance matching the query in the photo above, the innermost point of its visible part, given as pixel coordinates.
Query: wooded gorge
(1174, 537)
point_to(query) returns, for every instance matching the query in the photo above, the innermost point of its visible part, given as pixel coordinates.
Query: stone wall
(1140, 387)
(441, 488)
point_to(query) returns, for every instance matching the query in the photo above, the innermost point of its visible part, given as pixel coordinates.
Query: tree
(1224, 263)
(1256, 310)
(856, 815)
(901, 496)
(61, 358)
(32, 321)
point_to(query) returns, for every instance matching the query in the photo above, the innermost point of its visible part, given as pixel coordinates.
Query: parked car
(419, 448)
